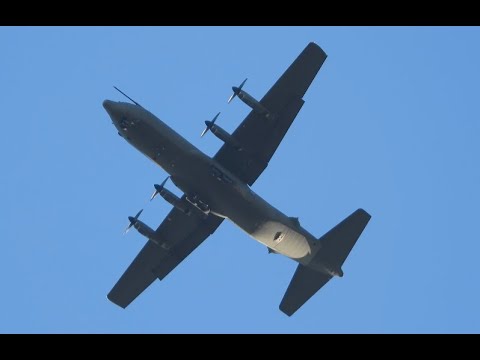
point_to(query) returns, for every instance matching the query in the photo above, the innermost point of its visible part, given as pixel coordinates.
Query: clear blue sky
(390, 124)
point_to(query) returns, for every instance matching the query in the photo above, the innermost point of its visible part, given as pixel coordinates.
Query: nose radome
(112, 109)
(108, 104)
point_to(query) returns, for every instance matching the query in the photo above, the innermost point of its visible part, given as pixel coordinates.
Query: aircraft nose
(108, 105)
(112, 109)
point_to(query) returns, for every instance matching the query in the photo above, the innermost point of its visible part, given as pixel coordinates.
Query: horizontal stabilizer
(336, 245)
(305, 283)
(339, 241)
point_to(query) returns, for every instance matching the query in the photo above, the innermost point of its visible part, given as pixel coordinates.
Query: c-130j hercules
(218, 188)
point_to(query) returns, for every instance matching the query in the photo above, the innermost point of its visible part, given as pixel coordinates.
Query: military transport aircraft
(218, 188)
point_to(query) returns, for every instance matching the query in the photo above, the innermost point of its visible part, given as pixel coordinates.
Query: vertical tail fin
(336, 245)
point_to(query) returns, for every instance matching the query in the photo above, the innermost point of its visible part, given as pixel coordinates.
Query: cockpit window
(277, 236)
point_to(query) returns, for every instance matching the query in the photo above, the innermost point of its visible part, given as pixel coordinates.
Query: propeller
(236, 90)
(159, 188)
(133, 220)
(209, 125)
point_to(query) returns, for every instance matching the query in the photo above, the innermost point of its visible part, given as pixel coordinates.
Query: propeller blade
(127, 229)
(209, 125)
(204, 132)
(132, 220)
(154, 195)
(215, 118)
(164, 182)
(236, 90)
(138, 214)
(159, 188)
(243, 83)
(231, 98)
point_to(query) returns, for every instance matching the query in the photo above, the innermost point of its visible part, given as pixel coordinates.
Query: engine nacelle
(250, 101)
(254, 104)
(225, 137)
(145, 230)
(189, 204)
(175, 201)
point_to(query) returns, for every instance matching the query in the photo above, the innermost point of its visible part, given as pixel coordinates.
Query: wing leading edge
(260, 137)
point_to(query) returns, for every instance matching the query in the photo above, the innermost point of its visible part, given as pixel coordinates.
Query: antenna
(128, 97)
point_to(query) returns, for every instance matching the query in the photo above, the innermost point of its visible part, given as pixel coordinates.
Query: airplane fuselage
(200, 176)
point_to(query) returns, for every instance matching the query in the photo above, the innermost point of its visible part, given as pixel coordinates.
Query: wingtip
(110, 297)
(364, 212)
(287, 312)
(314, 45)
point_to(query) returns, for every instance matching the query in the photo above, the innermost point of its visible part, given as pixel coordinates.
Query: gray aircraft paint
(218, 188)
(191, 170)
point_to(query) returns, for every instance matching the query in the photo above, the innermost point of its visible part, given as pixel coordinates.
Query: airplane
(219, 187)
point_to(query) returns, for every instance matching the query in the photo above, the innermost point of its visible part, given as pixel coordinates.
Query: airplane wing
(259, 136)
(184, 233)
